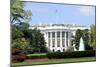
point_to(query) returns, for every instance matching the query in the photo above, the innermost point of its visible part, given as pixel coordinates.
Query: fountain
(81, 45)
(74, 47)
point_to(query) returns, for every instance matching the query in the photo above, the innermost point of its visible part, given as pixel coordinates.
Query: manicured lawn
(55, 61)
(37, 54)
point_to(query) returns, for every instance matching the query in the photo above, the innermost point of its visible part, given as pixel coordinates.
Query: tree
(18, 13)
(18, 40)
(86, 39)
(85, 35)
(19, 22)
(21, 43)
(23, 26)
(92, 40)
(16, 33)
(38, 42)
(78, 35)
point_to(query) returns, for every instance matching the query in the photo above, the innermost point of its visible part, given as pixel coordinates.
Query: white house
(58, 36)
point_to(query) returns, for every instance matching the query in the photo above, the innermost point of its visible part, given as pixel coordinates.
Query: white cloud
(87, 10)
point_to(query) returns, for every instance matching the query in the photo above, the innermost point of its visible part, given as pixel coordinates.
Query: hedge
(37, 56)
(71, 54)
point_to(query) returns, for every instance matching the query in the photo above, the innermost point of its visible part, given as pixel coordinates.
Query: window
(49, 42)
(58, 34)
(53, 34)
(48, 34)
(67, 42)
(63, 42)
(53, 42)
(63, 34)
(58, 42)
(66, 34)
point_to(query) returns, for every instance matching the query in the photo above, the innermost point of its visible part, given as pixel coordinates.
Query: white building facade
(58, 37)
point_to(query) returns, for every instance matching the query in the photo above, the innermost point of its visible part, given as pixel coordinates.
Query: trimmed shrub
(71, 54)
(36, 56)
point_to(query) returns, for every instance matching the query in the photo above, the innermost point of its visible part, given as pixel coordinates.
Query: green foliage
(38, 41)
(92, 40)
(29, 41)
(16, 33)
(86, 39)
(70, 48)
(20, 43)
(36, 56)
(77, 38)
(19, 22)
(71, 54)
(23, 38)
(23, 26)
(18, 13)
(85, 35)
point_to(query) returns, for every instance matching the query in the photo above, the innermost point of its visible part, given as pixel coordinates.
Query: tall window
(53, 34)
(63, 42)
(58, 34)
(58, 42)
(66, 34)
(53, 42)
(67, 42)
(49, 42)
(48, 34)
(58, 39)
(67, 38)
(63, 34)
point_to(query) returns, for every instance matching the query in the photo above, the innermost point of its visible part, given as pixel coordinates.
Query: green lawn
(56, 61)
(36, 54)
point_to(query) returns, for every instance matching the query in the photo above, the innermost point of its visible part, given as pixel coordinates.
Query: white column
(65, 41)
(51, 39)
(47, 39)
(69, 39)
(55, 39)
(61, 39)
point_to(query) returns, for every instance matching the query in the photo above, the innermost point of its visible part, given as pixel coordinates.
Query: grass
(36, 54)
(56, 61)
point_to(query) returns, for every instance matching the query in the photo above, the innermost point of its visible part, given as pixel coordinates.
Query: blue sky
(47, 13)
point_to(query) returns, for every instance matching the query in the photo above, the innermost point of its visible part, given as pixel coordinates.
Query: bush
(71, 54)
(18, 56)
(15, 51)
(37, 56)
